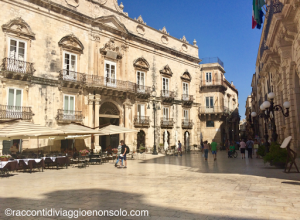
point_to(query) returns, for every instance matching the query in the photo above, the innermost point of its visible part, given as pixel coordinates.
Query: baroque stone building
(278, 68)
(87, 61)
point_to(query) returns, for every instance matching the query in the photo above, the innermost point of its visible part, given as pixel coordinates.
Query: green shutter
(18, 97)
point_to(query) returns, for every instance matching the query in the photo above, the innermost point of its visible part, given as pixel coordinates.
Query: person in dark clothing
(123, 154)
(249, 145)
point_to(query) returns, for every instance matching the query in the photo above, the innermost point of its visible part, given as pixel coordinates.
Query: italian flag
(254, 23)
(257, 13)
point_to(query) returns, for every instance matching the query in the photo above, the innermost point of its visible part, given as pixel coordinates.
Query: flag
(254, 23)
(257, 13)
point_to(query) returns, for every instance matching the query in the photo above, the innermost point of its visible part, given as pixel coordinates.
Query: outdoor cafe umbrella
(113, 129)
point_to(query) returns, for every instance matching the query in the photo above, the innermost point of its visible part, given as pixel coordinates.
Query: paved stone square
(169, 187)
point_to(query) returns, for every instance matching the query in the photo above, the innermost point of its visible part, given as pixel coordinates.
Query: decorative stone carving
(186, 76)
(110, 46)
(141, 63)
(74, 3)
(140, 20)
(184, 39)
(95, 37)
(184, 47)
(166, 71)
(140, 29)
(164, 39)
(195, 43)
(110, 21)
(164, 30)
(19, 27)
(101, 2)
(72, 43)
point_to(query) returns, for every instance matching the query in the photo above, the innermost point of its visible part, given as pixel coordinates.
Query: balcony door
(110, 74)
(208, 79)
(185, 91)
(209, 104)
(14, 106)
(141, 114)
(17, 56)
(166, 116)
(69, 107)
(186, 117)
(140, 81)
(70, 66)
(165, 87)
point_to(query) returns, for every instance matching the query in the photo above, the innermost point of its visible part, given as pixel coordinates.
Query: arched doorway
(141, 139)
(109, 114)
(186, 140)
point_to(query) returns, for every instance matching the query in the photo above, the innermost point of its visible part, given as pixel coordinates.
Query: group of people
(251, 146)
(212, 146)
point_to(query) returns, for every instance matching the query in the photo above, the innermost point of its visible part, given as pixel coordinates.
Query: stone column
(91, 115)
(97, 110)
(1, 147)
(128, 122)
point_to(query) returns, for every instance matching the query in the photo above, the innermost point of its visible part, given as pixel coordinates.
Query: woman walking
(205, 147)
(255, 148)
(242, 147)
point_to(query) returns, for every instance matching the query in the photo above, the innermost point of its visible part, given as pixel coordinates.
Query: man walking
(179, 148)
(214, 149)
(250, 147)
(123, 154)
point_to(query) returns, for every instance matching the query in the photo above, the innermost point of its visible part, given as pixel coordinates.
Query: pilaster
(96, 121)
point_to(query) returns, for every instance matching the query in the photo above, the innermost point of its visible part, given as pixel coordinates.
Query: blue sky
(222, 29)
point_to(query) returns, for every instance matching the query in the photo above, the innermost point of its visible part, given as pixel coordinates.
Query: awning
(76, 129)
(113, 129)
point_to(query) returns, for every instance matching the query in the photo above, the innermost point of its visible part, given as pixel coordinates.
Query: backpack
(127, 149)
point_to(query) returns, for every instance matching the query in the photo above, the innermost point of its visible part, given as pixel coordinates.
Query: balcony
(109, 85)
(141, 121)
(212, 60)
(67, 116)
(143, 92)
(187, 100)
(167, 96)
(187, 124)
(214, 110)
(214, 85)
(15, 112)
(17, 69)
(166, 122)
(72, 79)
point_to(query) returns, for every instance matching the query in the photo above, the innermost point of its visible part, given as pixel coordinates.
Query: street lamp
(267, 112)
(155, 106)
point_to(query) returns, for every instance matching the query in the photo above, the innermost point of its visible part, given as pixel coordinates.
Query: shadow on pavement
(95, 199)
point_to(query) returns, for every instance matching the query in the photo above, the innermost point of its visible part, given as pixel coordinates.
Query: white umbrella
(113, 129)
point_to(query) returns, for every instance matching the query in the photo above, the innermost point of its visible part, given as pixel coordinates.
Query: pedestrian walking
(214, 149)
(179, 148)
(249, 145)
(242, 147)
(205, 147)
(124, 151)
(255, 148)
(118, 155)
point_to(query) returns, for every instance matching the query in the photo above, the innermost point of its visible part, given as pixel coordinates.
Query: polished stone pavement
(171, 187)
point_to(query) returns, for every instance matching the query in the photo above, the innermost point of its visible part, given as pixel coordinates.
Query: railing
(167, 94)
(142, 89)
(14, 112)
(141, 121)
(214, 82)
(73, 76)
(212, 60)
(166, 122)
(17, 66)
(275, 7)
(67, 115)
(187, 98)
(186, 123)
(214, 109)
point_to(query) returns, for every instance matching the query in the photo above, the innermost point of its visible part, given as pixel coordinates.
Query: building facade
(88, 62)
(278, 68)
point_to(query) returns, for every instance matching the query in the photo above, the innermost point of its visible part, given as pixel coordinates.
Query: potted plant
(83, 152)
(142, 149)
(5, 157)
(277, 156)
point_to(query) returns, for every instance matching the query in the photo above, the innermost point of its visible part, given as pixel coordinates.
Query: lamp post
(155, 106)
(267, 112)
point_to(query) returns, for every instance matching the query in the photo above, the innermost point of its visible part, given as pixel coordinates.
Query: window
(69, 107)
(14, 102)
(141, 81)
(110, 74)
(166, 116)
(210, 124)
(185, 91)
(17, 55)
(208, 77)
(70, 66)
(209, 104)
(185, 117)
(165, 87)
(141, 113)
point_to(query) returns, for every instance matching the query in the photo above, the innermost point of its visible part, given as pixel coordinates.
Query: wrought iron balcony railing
(141, 121)
(214, 109)
(167, 94)
(187, 124)
(69, 116)
(72, 76)
(166, 122)
(217, 82)
(17, 66)
(14, 112)
(212, 60)
(187, 98)
(141, 89)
